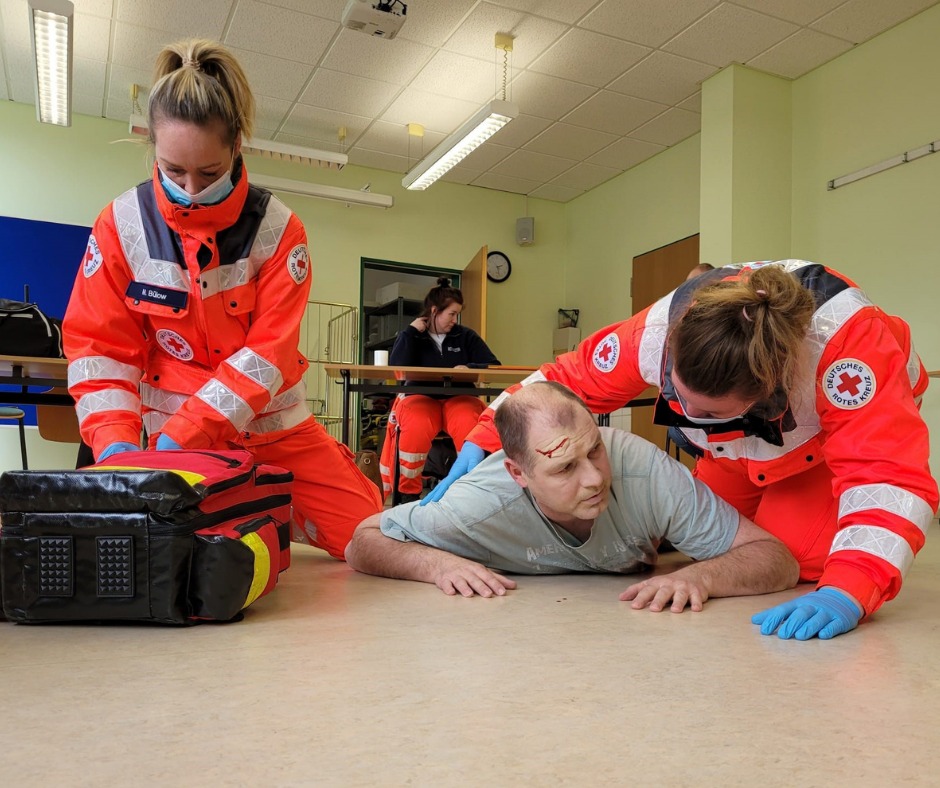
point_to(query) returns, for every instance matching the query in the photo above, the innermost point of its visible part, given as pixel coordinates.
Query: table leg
(345, 375)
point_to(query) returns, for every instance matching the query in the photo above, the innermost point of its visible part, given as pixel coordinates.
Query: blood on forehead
(558, 447)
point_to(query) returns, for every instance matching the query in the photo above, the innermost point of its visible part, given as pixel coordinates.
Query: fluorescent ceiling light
(462, 142)
(51, 28)
(323, 192)
(269, 149)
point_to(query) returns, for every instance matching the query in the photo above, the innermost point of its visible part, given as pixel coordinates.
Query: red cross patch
(174, 344)
(93, 258)
(607, 353)
(849, 384)
(298, 263)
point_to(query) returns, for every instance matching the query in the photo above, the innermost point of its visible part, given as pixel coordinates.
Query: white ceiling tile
(802, 12)
(649, 22)
(394, 139)
(588, 57)
(181, 18)
(568, 11)
(348, 93)
(800, 53)
(662, 77)
(432, 22)
(693, 103)
(572, 142)
(273, 76)
(532, 166)
(270, 113)
(89, 78)
(729, 34)
(95, 7)
(328, 9)
(377, 160)
(673, 126)
(394, 61)
(521, 130)
(438, 113)
(460, 175)
(552, 191)
(476, 37)
(505, 183)
(86, 103)
(92, 37)
(614, 113)
(322, 124)
(453, 74)
(138, 47)
(281, 32)
(585, 176)
(119, 87)
(859, 20)
(547, 97)
(625, 153)
(487, 155)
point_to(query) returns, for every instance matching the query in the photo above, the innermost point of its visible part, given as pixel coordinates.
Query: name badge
(141, 291)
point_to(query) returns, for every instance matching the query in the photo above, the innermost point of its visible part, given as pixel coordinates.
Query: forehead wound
(556, 447)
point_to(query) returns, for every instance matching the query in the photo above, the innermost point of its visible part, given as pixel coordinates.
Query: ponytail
(744, 336)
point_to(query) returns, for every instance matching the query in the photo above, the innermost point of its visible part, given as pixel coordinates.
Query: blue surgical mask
(214, 193)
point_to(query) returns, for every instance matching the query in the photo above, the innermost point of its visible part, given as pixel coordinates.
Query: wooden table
(369, 379)
(27, 371)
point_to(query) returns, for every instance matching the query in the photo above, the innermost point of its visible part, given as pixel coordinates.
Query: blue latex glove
(469, 457)
(117, 448)
(166, 443)
(824, 613)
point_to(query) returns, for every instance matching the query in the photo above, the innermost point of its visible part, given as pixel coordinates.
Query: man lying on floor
(567, 496)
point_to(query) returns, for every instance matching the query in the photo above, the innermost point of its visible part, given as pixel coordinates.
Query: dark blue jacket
(461, 345)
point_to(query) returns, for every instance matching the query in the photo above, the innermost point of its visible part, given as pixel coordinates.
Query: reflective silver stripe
(221, 398)
(385, 470)
(876, 541)
(652, 342)
(830, 317)
(106, 400)
(154, 421)
(163, 273)
(410, 473)
(257, 368)
(410, 456)
(913, 366)
(163, 401)
(280, 420)
(269, 234)
(888, 498)
(226, 277)
(102, 368)
(289, 398)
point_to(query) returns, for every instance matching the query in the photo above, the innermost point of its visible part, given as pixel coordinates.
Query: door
(473, 287)
(655, 274)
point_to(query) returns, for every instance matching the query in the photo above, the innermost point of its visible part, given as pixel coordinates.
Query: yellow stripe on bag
(262, 566)
(190, 477)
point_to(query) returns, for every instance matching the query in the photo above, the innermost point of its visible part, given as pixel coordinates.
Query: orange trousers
(800, 511)
(330, 494)
(412, 425)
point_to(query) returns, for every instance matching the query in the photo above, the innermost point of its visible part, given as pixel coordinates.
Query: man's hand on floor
(657, 593)
(460, 576)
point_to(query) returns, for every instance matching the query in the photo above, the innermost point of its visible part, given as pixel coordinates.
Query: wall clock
(498, 267)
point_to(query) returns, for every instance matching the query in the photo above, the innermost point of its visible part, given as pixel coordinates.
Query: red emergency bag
(175, 537)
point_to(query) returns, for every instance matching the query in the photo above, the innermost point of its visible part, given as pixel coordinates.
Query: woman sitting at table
(434, 339)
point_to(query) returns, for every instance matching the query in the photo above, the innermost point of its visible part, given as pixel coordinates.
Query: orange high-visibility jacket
(187, 319)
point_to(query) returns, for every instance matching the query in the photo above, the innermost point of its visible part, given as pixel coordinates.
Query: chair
(59, 423)
(10, 414)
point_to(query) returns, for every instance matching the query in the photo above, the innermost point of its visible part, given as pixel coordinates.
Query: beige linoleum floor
(347, 680)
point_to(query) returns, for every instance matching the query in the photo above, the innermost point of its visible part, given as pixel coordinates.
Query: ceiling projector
(382, 20)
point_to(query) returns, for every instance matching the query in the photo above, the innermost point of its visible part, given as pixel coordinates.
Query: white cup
(381, 358)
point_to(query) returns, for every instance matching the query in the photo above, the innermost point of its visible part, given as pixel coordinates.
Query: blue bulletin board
(44, 256)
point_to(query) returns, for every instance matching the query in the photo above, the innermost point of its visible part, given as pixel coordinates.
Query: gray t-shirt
(486, 517)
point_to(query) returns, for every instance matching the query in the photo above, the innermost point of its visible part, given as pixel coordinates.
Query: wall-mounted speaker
(525, 231)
